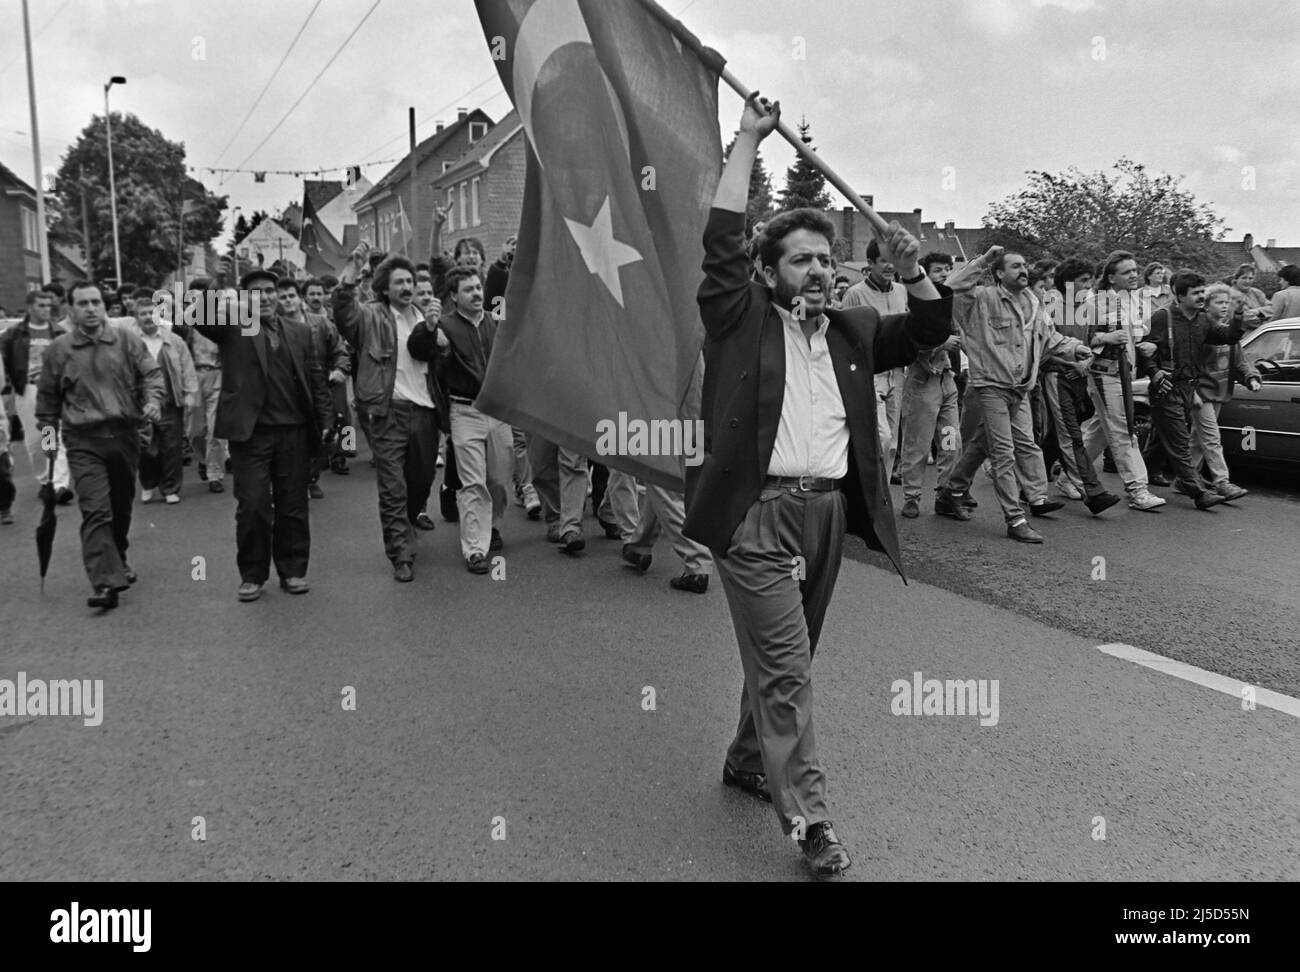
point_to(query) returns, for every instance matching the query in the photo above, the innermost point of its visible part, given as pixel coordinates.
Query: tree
(1089, 214)
(242, 228)
(760, 207)
(152, 188)
(805, 186)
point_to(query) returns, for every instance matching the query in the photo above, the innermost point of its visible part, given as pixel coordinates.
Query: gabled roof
(320, 191)
(11, 181)
(1280, 256)
(422, 152)
(479, 155)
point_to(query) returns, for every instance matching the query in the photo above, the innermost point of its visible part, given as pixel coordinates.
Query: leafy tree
(1074, 213)
(760, 207)
(152, 187)
(805, 186)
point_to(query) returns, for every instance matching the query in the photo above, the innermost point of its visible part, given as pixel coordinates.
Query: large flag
(601, 328)
(323, 252)
(402, 237)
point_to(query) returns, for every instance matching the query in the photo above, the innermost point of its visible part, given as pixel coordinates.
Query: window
(1280, 345)
(464, 204)
(451, 210)
(446, 166)
(473, 201)
(477, 130)
(31, 238)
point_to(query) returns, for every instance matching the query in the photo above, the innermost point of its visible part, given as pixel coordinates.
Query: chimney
(950, 225)
(462, 114)
(1270, 244)
(917, 210)
(438, 127)
(1248, 243)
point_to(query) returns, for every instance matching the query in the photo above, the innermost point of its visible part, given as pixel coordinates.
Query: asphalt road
(519, 702)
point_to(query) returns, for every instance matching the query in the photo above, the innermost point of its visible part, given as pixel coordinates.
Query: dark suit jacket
(744, 388)
(241, 353)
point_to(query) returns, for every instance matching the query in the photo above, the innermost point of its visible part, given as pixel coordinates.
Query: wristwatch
(913, 280)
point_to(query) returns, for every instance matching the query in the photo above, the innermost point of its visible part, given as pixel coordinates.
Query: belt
(461, 399)
(1104, 366)
(200, 367)
(803, 484)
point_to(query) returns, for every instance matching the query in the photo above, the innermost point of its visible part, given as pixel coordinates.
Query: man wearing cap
(276, 413)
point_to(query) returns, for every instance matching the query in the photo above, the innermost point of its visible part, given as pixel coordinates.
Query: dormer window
(477, 130)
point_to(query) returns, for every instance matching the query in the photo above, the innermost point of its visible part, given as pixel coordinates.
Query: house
(383, 215)
(852, 229)
(483, 190)
(1268, 258)
(20, 248)
(266, 244)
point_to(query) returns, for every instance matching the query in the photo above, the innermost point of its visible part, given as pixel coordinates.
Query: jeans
(103, 471)
(619, 504)
(929, 414)
(161, 465)
(208, 445)
(560, 478)
(1207, 446)
(889, 399)
(1109, 426)
(406, 461)
(1070, 397)
(1008, 442)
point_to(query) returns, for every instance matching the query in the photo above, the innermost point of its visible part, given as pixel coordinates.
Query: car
(1259, 428)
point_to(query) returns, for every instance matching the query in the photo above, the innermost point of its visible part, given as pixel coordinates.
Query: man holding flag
(792, 462)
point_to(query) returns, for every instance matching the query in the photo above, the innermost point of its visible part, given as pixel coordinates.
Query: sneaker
(1230, 491)
(911, 508)
(1068, 489)
(1144, 500)
(532, 504)
(171, 499)
(146, 496)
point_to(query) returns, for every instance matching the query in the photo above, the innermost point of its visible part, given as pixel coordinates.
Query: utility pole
(112, 185)
(42, 242)
(85, 223)
(415, 195)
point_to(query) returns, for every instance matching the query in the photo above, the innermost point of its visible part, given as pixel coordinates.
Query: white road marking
(1211, 680)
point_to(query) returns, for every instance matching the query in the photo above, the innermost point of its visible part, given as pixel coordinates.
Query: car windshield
(1280, 345)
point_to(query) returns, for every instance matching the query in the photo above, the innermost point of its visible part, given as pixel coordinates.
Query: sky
(938, 104)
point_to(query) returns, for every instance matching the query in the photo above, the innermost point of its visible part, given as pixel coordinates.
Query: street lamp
(112, 187)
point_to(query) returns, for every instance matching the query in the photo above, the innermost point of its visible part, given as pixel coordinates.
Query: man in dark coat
(276, 412)
(791, 463)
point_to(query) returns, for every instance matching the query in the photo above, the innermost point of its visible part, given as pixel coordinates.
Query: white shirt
(409, 384)
(812, 438)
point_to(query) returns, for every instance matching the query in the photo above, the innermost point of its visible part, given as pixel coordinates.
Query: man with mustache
(1006, 336)
(1170, 355)
(792, 463)
(397, 392)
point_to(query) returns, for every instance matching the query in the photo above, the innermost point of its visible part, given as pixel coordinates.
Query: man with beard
(1171, 356)
(793, 461)
(97, 383)
(395, 388)
(276, 414)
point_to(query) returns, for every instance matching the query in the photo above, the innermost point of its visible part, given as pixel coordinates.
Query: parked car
(1272, 413)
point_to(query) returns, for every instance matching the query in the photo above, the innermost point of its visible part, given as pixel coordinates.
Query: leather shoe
(403, 573)
(131, 576)
(477, 564)
(295, 585)
(248, 591)
(612, 532)
(496, 543)
(425, 522)
(104, 598)
(755, 784)
(340, 468)
(950, 504)
(1045, 507)
(572, 543)
(447, 505)
(214, 486)
(823, 850)
(63, 496)
(1023, 532)
(1208, 499)
(695, 583)
(1158, 479)
(1100, 503)
(966, 499)
(315, 492)
(639, 562)
(911, 509)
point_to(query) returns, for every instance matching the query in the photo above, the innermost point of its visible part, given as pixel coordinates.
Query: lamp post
(42, 242)
(112, 186)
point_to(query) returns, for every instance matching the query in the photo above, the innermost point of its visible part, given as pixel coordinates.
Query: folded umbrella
(45, 529)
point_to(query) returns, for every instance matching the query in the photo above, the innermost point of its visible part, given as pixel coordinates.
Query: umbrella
(45, 529)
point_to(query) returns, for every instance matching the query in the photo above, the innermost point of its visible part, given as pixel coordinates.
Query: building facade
(484, 190)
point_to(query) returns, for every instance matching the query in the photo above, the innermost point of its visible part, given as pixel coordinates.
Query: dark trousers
(161, 463)
(1171, 417)
(334, 454)
(271, 470)
(103, 468)
(405, 442)
(1073, 398)
(599, 483)
(778, 620)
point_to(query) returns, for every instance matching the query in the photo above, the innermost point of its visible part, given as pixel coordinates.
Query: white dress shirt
(409, 384)
(812, 438)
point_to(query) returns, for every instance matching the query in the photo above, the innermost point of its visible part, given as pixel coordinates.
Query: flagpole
(679, 30)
